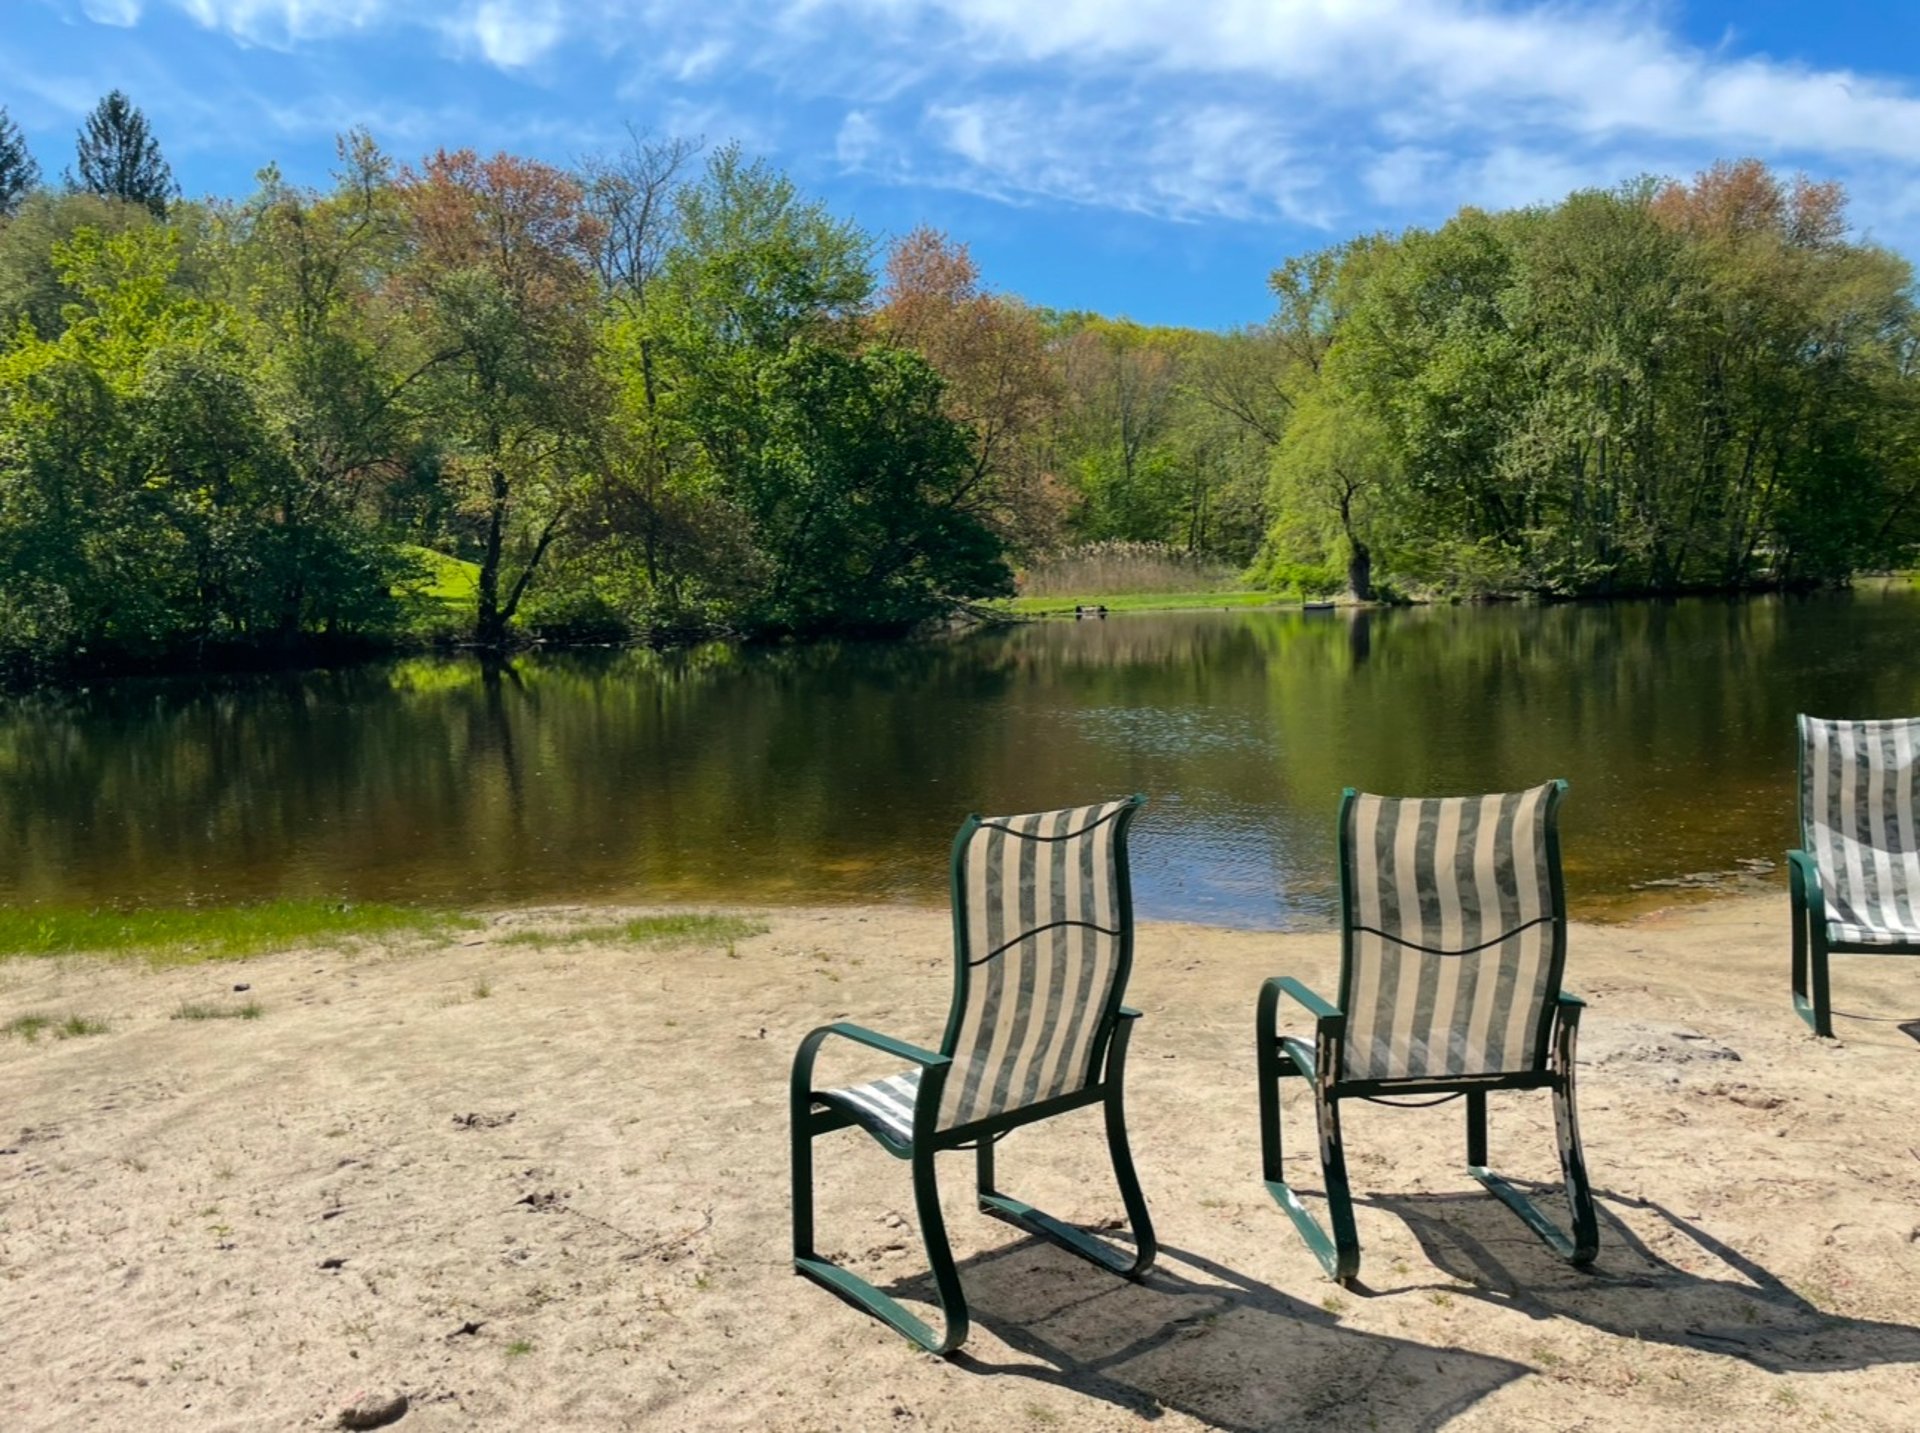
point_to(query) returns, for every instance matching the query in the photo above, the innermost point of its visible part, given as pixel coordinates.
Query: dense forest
(664, 393)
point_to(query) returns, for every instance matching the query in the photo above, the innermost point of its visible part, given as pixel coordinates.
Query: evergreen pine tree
(120, 158)
(18, 172)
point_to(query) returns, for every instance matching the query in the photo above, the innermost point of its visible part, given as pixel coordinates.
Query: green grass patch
(185, 935)
(451, 580)
(31, 1027)
(250, 1011)
(1138, 602)
(691, 929)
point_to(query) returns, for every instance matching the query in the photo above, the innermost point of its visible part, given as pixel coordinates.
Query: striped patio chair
(1453, 934)
(1043, 943)
(1855, 881)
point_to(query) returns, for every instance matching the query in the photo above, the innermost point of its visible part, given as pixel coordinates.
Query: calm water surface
(838, 773)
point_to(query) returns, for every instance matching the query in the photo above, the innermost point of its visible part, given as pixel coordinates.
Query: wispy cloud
(1320, 112)
(112, 12)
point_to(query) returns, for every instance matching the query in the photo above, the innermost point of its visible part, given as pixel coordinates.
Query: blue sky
(1149, 157)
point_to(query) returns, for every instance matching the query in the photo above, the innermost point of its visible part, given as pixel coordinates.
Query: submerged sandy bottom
(230, 1224)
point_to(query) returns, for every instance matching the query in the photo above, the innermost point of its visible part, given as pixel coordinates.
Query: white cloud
(858, 141)
(1606, 69)
(700, 61)
(1315, 111)
(112, 12)
(282, 23)
(511, 34)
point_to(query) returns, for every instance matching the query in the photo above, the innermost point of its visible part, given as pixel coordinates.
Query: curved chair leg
(1338, 1253)
(1584, 1242)
(1077, 1241)
(850, 1286)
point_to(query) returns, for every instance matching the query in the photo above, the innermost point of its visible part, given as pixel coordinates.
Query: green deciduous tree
(990, 352)
(497, 286)
(857, 489)
(1651, 388)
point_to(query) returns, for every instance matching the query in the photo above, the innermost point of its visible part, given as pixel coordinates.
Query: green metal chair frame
(815, 1113)
(1320, 1064)
(1813, 942)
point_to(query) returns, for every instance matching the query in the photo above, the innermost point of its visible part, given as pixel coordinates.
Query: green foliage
(119, 158)
(147, 500)
(848, 489)
(486, 399)
(1657, 387)
(31, 288)
(1299, 579)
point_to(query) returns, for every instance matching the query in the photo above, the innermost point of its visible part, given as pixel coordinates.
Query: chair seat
(882, 1106)
(1856, 933)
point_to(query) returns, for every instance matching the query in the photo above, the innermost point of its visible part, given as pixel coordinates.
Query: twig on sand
(648, 1248)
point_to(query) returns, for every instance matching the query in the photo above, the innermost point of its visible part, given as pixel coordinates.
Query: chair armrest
(802, 1079)
(1330, 1032)
(1567, 998)
(1317, 1007)
(1127, 1012)
(900, 1049)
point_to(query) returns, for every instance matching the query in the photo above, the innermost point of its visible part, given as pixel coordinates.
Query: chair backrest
(1857, 797)
(1043, 940)
(1453, 933)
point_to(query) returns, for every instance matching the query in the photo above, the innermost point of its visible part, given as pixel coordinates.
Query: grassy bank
(1140, 602)
(187, 934)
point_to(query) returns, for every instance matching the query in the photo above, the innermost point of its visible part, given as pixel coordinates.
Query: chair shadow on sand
(1740, 1311)
(1198, 1338)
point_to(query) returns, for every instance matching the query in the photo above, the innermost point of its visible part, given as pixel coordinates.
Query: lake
(724, 775)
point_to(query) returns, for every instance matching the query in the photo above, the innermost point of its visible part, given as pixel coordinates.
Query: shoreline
(319, 652)
(545, 1185)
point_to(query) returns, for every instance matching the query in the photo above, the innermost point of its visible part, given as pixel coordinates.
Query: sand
(547, 1188)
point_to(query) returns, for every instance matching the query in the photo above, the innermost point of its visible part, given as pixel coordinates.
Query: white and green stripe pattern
(1041, 900)
(1044, 927)
(1451, 934)
(1857, 800)
(886, 1104)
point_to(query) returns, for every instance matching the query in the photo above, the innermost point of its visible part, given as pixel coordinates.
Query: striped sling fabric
(1453, 932)
(1042, 903)
(1044, 927)
(1043, 932)
(1857, 797)
(885, 1105)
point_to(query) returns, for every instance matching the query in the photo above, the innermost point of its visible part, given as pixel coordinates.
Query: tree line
(663, 392)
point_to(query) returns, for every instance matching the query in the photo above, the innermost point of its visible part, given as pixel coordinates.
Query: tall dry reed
(1106, 569)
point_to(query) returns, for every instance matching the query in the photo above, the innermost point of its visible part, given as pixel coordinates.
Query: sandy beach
(546, 1187)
